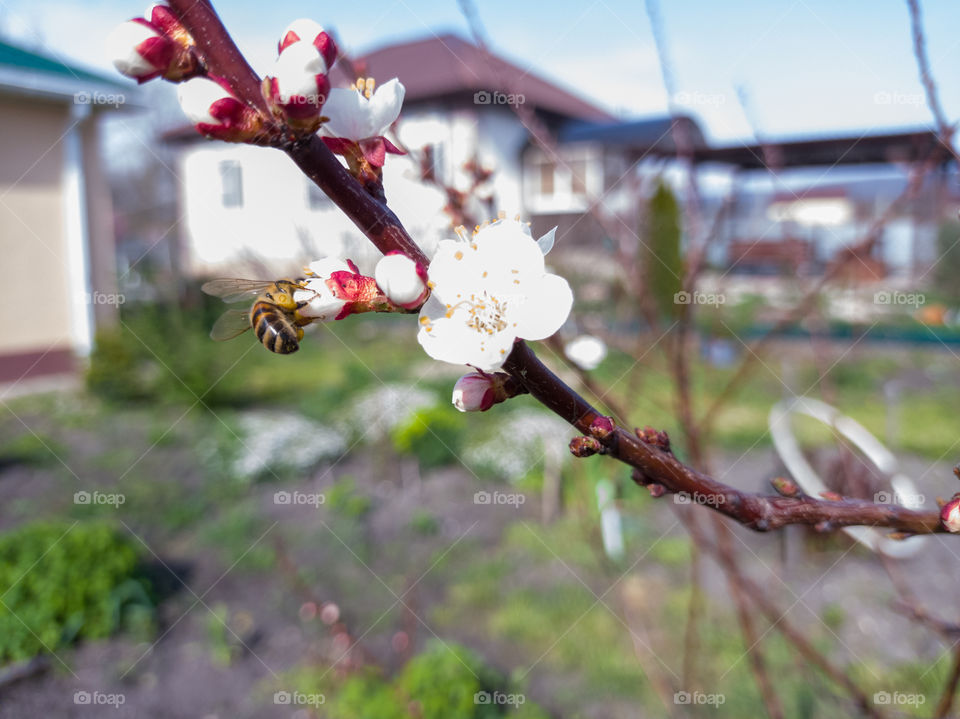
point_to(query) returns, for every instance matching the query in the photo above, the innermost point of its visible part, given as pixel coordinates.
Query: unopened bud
(832, 496)
(155, 46)
(785, 487)
(298, 86)
(312, 32)
(402, 280)
(657, 438)
(602, 427)
(138, 50)
(212, 107)
(585, 446)
(474, 393)
(950, 514)
(656, 490)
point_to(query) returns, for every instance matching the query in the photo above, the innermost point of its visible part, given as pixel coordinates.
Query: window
(231, 182)
(578, 177)
(316, 198)
(547, 171)
(564, 183)
(433, 162)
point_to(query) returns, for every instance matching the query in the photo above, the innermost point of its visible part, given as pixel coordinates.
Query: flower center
(486, 314)
(365, 86)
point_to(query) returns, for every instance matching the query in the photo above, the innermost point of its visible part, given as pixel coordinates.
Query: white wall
(275, 224)
(275, 210)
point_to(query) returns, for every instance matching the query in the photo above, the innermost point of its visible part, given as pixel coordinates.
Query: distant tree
(663, 264)
(948, 266)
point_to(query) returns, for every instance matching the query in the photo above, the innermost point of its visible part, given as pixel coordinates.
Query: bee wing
(230, 324)
(234, 290)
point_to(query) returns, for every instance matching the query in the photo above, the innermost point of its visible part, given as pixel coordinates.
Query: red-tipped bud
(155, 46)
(585, 446)
(211, 106)
(950, 514)
(312, 32)
(602, 427)
(139, 50)
(832, 496)
(298, 87)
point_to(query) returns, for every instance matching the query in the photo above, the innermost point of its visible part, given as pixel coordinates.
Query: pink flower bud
(402, 280)
(475, 393)
(950, 514)
(139, 51)
(312, 32)
(210, 105)
(602, 427)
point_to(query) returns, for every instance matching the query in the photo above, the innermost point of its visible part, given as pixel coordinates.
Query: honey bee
(274, 316)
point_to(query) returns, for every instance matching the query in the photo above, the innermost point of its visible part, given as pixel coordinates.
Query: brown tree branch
(655, 466)
(944, 128)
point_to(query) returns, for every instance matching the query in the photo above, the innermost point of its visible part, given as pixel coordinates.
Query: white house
(249, 209)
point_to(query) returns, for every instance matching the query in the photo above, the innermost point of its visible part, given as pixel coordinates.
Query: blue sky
(808, 66)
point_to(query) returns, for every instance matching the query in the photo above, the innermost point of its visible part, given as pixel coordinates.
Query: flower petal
(545, 309)
(451, 340)
(384, 106)
(546, 242)
(347, 113)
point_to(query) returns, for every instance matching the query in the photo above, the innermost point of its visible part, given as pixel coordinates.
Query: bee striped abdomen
(273, 329)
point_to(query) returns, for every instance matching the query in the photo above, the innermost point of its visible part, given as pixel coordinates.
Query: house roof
(25, 71)
(653, 133)
(851, 150)
(444, 65)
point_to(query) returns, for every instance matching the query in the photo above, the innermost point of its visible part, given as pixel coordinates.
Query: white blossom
(354, 116)
(487, 291)
(586, 351)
